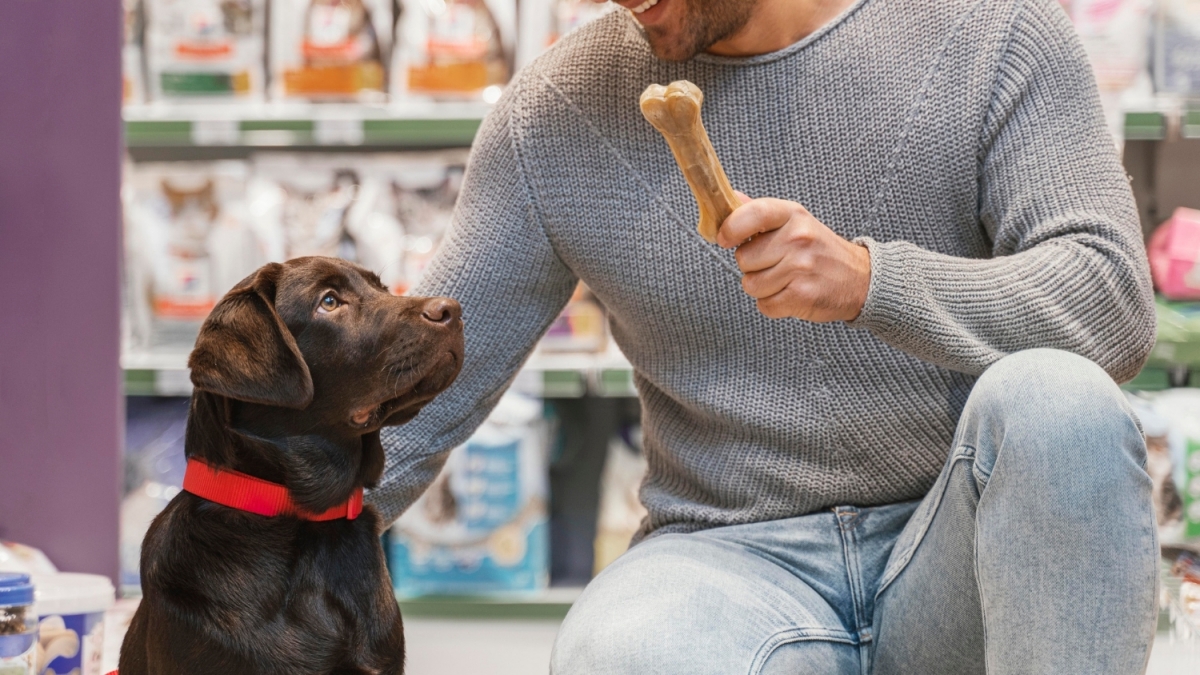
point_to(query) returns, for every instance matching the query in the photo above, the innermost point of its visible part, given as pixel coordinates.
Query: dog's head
(298, 367)
(324, 336)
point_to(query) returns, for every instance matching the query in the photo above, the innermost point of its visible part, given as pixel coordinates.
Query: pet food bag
(206, 48)
(482, 526)
(418, 194)
(133, 83)
(330, 49)
(70, 609)
(1116, 34)
(453, 48)
(544, 22)
(1180, 516)
(330, 206)
(1174, 250)
(188, 241)
(1177, 52)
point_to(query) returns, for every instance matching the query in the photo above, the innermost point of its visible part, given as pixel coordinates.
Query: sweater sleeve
(497, 261)
(1068, 268)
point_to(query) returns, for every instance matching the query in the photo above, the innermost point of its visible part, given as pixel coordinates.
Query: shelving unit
(545, 375)
(272, 125)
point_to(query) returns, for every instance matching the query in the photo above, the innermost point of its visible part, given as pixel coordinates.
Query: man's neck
(775, 24)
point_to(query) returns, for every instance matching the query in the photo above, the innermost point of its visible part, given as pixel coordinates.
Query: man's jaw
(647, 12)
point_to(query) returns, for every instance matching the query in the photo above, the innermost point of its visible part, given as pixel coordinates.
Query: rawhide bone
(675, 111)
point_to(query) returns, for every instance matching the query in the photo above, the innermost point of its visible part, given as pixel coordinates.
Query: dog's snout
(441, 310)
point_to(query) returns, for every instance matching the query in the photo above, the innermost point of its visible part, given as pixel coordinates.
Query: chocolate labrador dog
(295, 372)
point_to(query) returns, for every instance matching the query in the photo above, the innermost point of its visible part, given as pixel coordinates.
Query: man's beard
(704, 23)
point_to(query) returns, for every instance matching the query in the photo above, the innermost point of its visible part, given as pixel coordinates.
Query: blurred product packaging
(154, 467)
(580, 327)
(188, 240)
(482, 526)
(544, 22)
(1177, 52)
(205, 48)
(1116, 35)
(1174, 250)
(454, 49)
(133, 80)
(330, 49)
(1171, 422)
(621, 511)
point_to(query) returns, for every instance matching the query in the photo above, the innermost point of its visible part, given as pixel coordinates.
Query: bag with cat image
(330, 49)
(205, 49)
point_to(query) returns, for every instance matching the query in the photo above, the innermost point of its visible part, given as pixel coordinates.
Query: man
(881, 419)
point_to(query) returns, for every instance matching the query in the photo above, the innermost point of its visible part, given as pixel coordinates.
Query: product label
(18, 654)
(71, 644)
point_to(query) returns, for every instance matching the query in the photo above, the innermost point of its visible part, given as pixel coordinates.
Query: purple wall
(60, 380)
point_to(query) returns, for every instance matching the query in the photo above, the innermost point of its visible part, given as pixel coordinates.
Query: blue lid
(15, 589)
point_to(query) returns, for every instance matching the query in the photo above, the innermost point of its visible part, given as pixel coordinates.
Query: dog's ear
(245, 351)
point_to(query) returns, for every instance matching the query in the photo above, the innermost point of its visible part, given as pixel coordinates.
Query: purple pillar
(60, 379)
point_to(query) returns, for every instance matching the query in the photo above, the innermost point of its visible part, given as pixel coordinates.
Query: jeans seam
(957, 455)
(790, 635)
(853, 576)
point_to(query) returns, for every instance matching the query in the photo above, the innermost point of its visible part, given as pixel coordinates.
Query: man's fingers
(766, 283)
(753, 217)
(760, 253)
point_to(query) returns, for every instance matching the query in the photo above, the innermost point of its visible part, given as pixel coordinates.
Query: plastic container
(18, 625)
(71, 629)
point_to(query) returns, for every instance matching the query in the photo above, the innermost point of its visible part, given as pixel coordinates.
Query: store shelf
(406, 125)
(546, 375)
(551, 604)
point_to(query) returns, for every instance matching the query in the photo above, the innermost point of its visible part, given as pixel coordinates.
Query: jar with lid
(18, 625)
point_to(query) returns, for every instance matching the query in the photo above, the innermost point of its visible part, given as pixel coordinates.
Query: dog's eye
(329, 303)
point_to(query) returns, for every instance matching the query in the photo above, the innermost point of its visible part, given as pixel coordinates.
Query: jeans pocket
(910, 538)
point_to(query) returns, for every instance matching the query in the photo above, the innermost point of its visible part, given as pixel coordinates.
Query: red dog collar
(255, 495)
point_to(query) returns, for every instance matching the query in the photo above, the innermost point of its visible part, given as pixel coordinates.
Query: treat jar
(70, 609)
(18, 625)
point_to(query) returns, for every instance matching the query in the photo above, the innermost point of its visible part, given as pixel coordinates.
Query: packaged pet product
(205, 48)
(70, 609)
(621, 511)
(328, 205)
(1177, 52)
(1116, 34)
(133, 86)
(580, 327)
(419, 193)
(482, 526)
(330, 49)
(18, 625)
(1180, 408)
(154, 467)
(1174, 250)
(454, 48)
(188, 241)
(543, 22)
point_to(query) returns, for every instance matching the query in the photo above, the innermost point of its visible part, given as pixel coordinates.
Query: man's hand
(793, 264)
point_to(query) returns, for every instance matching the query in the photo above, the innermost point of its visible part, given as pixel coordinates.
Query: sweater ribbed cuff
(885, 294)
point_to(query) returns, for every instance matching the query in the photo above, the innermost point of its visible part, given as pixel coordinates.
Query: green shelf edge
(407, 133)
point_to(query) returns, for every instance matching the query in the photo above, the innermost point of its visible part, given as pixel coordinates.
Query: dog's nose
(441, 310)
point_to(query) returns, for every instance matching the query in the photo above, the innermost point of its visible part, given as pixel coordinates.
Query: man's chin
(667, 47)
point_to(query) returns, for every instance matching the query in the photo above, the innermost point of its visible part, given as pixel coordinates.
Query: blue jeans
(1035, 552)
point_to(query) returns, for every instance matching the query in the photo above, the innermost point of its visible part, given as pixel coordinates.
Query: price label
(338, 131)
(215, 132)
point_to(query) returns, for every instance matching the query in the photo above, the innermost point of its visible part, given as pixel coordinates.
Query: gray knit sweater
(961, 140)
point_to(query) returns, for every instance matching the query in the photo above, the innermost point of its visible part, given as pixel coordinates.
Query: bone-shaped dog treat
(675, 111)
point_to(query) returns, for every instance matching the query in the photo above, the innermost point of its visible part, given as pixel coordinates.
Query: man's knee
(1050, 405)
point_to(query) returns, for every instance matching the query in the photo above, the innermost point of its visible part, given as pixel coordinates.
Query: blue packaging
(482, 526)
